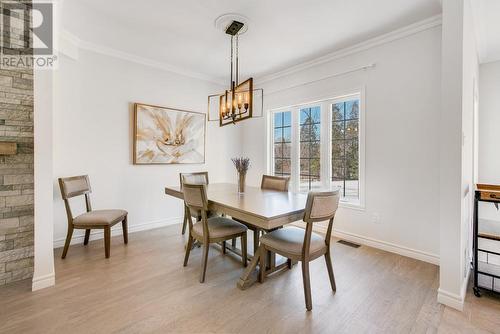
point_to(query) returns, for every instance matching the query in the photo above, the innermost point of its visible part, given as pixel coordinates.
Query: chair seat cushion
(100, 217)
(219, 227)
(291, 239)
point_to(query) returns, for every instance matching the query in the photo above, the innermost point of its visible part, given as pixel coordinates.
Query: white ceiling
(282, 33)
(487, 25)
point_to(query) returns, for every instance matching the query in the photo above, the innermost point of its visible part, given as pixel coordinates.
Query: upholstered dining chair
(92, 219)
(209, 230)
(193, 178)
(275, 183)
(304, 245)
(268, 182)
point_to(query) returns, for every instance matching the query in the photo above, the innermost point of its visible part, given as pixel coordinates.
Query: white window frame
(326, 143)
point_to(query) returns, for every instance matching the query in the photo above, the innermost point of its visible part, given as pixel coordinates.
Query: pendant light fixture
(236, 104)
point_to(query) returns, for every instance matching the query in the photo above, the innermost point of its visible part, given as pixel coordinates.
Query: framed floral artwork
(168, 136)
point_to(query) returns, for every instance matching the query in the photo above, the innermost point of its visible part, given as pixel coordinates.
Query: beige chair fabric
(75, 186)
(291, 240)
(324, 207)
(275, 183)
(195, 197)
(100, 217)
(219, 227)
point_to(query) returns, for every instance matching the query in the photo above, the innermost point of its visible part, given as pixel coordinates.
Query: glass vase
(241, 182)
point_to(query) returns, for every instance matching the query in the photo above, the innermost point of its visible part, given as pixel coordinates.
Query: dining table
(261, 209)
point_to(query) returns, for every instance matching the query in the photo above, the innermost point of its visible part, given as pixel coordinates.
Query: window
(310, 144)
(282, 143)
(345, 147)
(320, 146)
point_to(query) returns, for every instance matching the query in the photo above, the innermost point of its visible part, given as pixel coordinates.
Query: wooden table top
(266, 209)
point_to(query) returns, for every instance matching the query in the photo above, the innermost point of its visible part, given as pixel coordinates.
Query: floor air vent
(350, 244)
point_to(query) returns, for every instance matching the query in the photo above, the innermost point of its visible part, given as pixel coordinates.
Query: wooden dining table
(263, 210)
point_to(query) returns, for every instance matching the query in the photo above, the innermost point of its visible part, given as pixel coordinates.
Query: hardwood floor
(143, 287)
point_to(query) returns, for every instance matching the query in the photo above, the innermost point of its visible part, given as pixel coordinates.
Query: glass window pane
(278, 151)
(305, 116)
(287, 148)
(278, 166)
(287, 134)
(304, 150)
(314, 149)
(315, 132)
(316, 114)
(304, 166)
(278, 119)
(352, 110)
(278, 135)
(345, 147)
(287, 118)
(338, 112)
(305, 133)
(287, 166)
(351, 129)
(337, 149)
(315, 167)
(338, 130)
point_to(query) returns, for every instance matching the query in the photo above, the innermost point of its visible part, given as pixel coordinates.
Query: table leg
(246, 280)
(256, 240)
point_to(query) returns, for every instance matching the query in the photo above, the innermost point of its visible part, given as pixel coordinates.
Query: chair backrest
(72, 187)
(195, 196)
(275, 183)
(194, 178)
(321, 206)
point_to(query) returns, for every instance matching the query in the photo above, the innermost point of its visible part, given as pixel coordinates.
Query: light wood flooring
(143, 288)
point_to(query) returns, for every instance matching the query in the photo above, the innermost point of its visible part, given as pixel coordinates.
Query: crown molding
(412, 29)
(67, 38)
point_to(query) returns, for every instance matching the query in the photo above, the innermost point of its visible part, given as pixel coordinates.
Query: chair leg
(307, 284)
(204, 260)
(87, 237)
(189, 246)
(289, 263)
(244, 248)
(262, 264)
(184, 223)
(68, 240)
(233, 242)
(329, 266)
(224, 247)
(107, 241)
(125, 230)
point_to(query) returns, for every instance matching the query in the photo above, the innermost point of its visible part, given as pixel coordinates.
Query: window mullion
(295, 151)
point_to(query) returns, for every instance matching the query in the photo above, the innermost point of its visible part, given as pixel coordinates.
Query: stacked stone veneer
(16, 174)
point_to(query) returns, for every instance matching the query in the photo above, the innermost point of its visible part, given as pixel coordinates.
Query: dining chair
(268, 182)
(304, 245)
(193, 178)
(92, 219)
(275, 183)
(209, 230)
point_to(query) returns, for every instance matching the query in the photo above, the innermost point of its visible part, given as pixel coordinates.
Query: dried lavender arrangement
(242, 164)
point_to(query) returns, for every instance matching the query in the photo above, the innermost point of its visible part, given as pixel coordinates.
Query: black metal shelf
(488, 230)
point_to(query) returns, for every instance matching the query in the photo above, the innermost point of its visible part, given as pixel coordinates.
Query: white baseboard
(453, 300)
(42, 282)
(379, 244)
(117, 230)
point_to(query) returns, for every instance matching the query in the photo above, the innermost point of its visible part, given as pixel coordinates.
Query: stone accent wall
(16, 175)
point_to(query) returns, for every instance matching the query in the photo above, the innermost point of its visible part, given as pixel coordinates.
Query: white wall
(402, 138)
(489, 123)
(93, 135)
(489, 128)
